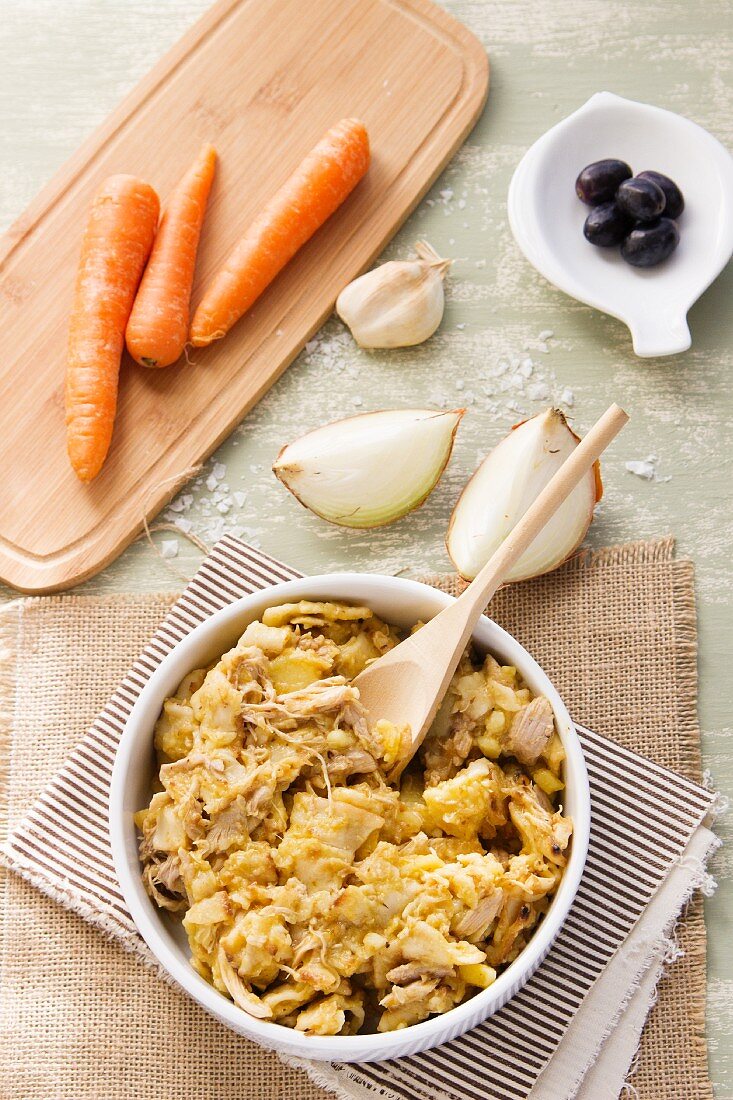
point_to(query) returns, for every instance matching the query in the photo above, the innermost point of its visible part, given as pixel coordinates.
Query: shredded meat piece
(352, 762)
(412, 972)
(239, 992)
(163, 881)
(444, 756)
(530, 731)
(476, 921)
(408, 994)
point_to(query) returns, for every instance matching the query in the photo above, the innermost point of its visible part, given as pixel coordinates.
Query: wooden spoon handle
(572, 471)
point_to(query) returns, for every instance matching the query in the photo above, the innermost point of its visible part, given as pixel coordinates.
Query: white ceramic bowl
(401, 602)
(547, 218)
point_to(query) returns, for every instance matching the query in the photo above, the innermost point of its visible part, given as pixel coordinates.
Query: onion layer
(502, 489)
(369, 470)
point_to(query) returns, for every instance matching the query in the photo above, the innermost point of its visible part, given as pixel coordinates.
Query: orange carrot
(158, 326)
(117, 242)
(315, 190)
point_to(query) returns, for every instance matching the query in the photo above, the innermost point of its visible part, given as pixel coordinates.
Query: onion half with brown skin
(505, 484)
(369, 470)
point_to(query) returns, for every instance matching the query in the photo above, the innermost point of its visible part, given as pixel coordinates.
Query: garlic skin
(372, 469)
(508, 480)
(398, 304)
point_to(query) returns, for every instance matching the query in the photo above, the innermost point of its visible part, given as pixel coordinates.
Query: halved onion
(504, 486)
(372, 469)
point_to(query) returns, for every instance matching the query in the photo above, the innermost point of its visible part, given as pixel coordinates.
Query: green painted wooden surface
(64, 66)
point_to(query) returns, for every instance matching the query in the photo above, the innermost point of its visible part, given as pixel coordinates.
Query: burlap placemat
(616, 632)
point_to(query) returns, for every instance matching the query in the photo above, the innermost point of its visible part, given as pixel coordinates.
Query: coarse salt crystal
(223, 506)
(447, 194)
(641, 468)
(538, 391)
(219, 470)
(546, 334)
(240, 498)
(169, 548)
(211, 483)
(176, 506)
(310, 346)
(567, 397)
(185, 524)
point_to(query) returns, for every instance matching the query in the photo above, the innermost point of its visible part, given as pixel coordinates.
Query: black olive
(674, 201)
(649, 245)
(598, 182)
(642, 200)
(606, 225)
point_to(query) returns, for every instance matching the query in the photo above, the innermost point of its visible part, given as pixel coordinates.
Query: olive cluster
(636, 212)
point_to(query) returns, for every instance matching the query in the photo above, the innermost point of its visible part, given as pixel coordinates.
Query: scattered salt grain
(567, 397)
(219, 471)
(545, 335)
(480, 263)
(459, 383)
(646, 468)
(461, 204)
(526, 367)
(538, 391)
(176, 506)
(311, 346)
(358, 401)
(240, 499)
(447, 194)
(462, 325)
(211, 483)
(642, 468)
(223, 506)
(169, 548)
(184, 524)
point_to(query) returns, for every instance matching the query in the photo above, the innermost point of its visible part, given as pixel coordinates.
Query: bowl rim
(372, 1046)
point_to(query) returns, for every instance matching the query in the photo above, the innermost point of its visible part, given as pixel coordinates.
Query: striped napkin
(555, 1039)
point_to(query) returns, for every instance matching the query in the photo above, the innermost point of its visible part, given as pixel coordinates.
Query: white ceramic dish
(547, 218)
(401, 602)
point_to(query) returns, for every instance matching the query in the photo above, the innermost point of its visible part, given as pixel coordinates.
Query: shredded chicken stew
(315, 894)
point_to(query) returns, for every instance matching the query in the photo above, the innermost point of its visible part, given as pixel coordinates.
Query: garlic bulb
(372, 469)
(504, 486)
(397, 304)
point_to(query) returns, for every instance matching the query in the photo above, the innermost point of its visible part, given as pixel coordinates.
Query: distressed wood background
(509, 343)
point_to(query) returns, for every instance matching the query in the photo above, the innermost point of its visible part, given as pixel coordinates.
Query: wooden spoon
(406, 686)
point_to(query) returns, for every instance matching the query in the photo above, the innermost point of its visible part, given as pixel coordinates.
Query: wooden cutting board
(262, 80)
